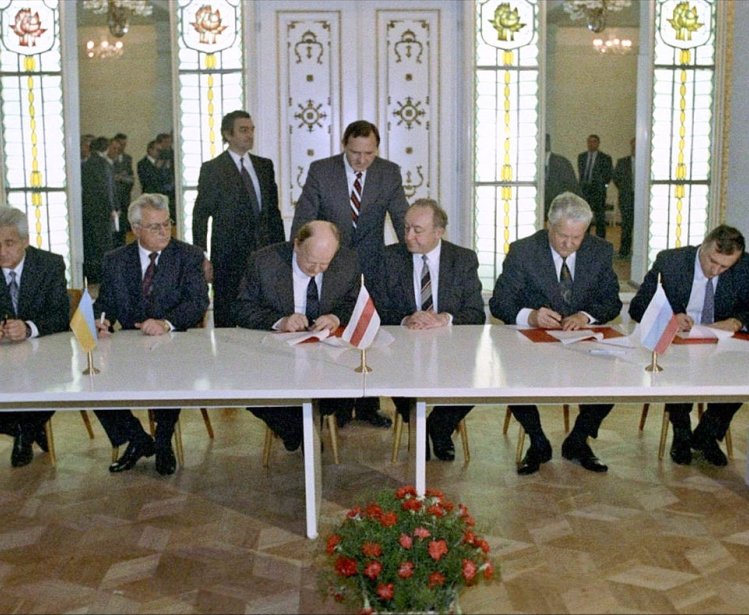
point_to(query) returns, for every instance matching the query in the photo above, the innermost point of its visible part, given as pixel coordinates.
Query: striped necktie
(426, 286)
(356, 199)
(13, 290)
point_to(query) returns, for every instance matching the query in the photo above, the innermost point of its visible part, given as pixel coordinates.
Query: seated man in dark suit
(708, 284)
(281, 292)
(154, 284)
(33, 302)
(430, 283)
(560, 278)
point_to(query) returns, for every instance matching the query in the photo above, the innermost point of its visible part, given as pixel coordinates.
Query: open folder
(568, 337)
(701, 334)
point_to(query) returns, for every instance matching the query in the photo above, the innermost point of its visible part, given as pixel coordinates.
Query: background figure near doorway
(624, 180)
(559, 176)
(595, 168)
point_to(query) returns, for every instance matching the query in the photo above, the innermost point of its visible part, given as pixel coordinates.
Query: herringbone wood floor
(225, 535)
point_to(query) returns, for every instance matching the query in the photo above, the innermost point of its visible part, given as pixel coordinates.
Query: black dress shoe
(681, 448)
(22, 453)
(40, 437)
(710, 450)
(444, 450)
(376, 419)
(292, 440)
(166, 463)
(534, 457)
(582, 453)
(134, 451)
(342, 419)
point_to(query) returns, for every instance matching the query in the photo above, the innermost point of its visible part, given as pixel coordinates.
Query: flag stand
(654, 367)
(90, 370)
(363, 367)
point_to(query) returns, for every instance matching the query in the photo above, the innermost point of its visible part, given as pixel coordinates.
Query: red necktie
(147, 284)
(356, 199)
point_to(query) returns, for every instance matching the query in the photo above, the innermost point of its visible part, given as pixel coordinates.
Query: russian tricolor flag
(658, 326)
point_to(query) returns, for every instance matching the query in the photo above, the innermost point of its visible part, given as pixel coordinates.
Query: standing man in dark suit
(238, 190)
(708, 284)
(310, 284)
(124, 178)
(559, 177)
(356, 190)
(149, 175)
(431, 283)
(33, 302)
(155, 284)
(595, 169)
(624, 180)
(99, 207)
(560, 278)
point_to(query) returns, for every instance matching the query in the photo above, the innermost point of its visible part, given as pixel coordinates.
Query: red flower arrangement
(402, 552)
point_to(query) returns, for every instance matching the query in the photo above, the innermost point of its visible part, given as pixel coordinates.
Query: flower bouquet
(402, 552)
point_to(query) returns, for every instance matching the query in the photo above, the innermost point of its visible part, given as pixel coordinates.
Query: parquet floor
(225, 535)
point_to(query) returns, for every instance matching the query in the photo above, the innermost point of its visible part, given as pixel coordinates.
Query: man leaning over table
(706, 284)
(431, 283)
(308, 284)
(155, 284)
(560, 278)
(33, 302)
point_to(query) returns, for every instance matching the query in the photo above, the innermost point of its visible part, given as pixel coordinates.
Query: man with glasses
(155, 284)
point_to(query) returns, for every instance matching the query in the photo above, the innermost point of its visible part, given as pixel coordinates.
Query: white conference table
(498, 364)
(197, 368)
(456, 365)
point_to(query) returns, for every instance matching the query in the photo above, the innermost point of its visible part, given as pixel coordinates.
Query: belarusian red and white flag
(365, 322)
(658, 326)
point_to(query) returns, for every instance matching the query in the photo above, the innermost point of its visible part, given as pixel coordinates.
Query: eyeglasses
(155, 228)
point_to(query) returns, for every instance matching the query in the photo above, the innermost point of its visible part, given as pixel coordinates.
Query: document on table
(570, 337)
(705, 332)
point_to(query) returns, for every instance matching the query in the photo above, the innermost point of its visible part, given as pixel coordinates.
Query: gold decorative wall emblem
(406, 44)
(309, 40)
(506, 22)
(310, 115)
(685, 21)
(409, 112)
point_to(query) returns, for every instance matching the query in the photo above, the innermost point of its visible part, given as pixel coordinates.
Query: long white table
(497, 364)
(197, 368)
(456, 365)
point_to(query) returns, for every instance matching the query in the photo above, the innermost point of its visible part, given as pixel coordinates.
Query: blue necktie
(708, 305)
(312, 309)
(13, 289)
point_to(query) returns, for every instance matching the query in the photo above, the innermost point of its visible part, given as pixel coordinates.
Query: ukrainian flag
(83, 324)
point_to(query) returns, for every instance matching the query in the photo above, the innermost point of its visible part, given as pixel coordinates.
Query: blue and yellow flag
(83, 324)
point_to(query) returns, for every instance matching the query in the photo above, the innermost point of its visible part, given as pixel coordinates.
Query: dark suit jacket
(529, 280)
(149, 177)
(237, 231)
(267, 290)
(676, 267)
(180, 293)
(560, 177)
(97, 181)
(325, 196)
(624, 181)
(42, 294)
(459, 285)
(123, 183)
(602, 169)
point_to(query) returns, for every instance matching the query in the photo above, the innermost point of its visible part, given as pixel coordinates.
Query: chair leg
(50, 441)
(644, 415)
(87, 423)
(333, 429)
(207, 421)
(664, 434)
(397, 433)
(179, 449)
(521, 442)
(506, 424)
(267, 446)
(700, 410)
(151, 423)
(115, 453)
(566, 411)
(463, 431)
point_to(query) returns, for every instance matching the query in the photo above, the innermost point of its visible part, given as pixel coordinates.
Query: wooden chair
(332, 428)
(521, 431)
(398, 432)
(664, 429)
